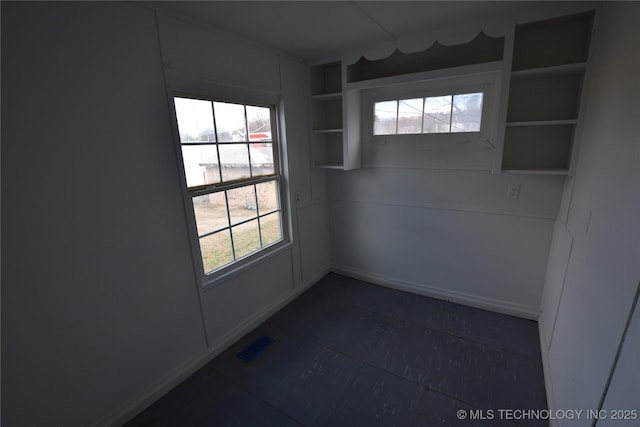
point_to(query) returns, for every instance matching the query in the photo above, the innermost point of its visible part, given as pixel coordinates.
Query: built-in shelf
(548, 65)
(335, 141)
(552, 42)
(537, 147)
(326, 79)
(544, 98)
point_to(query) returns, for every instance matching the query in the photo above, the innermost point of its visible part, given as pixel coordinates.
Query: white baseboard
(133, 407)
(254, 321)
(439, 293)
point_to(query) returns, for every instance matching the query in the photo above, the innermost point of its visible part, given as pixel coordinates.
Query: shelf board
(543, 123)
(327, 96)
(537, 171)
(336, 130)
(549, 71)
(329, 166)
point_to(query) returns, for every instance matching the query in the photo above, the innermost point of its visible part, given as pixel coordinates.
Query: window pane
(259, 122)
(437, 114)
(467, 112)
(211, 212)
(230, 122)
(234, 159)
(200, 164)
(270, 228)
(384, 120)
(267, 197)
(410, 116)
(262, 159)
(246, 238)
(195, 120)
(242, 203)
(216, 250)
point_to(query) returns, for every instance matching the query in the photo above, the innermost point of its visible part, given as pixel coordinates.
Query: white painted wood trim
(554, 70)
(546, 369)
(505, 85)
(439, 207)
(585, 91)
(242, 265)
(425, 76)
(537, 171)
(439, 293)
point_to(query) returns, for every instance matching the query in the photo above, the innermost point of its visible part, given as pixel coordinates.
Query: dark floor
(349, 353)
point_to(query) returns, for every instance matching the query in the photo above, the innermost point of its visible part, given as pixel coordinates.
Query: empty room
(320, 213)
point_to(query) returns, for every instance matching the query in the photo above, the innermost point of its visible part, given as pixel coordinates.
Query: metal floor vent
(255, 349)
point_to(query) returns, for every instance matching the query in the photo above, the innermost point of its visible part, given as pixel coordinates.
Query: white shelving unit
(336, 90)
(546, 79)
(543, 65)
(333, 146)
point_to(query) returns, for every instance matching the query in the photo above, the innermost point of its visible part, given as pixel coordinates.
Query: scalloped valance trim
(479, 49)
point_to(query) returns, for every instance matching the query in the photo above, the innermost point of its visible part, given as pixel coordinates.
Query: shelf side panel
(353, 129)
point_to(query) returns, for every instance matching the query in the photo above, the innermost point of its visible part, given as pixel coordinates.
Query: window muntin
(434, 114)
(229, 153)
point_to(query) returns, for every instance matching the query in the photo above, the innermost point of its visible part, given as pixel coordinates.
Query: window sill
(443, 141)
(215, 279)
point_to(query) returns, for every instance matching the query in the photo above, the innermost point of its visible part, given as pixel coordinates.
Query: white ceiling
(313, 30)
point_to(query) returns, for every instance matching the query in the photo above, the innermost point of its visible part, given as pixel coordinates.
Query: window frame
(245, 98)
(486, 82)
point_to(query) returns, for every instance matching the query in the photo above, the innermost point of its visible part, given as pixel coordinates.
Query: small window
(406, 119)
(433, 114)
(230, 157)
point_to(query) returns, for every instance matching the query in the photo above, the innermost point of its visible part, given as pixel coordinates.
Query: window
(456, 111)
(434, 114)
(230, 157)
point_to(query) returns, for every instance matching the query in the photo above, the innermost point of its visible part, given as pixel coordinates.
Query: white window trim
(487, 82)
(198, 88)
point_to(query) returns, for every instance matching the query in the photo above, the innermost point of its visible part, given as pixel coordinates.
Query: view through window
(230, 158)
(435, 114)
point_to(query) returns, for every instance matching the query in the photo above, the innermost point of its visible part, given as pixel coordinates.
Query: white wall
(624, 389)
(594, 270)
(101, 308)
(433, 219)
(448, 233)
(234, 305)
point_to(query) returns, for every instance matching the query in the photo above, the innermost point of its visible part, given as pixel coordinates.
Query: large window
(230, 156)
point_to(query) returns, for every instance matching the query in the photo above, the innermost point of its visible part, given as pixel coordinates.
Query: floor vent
(255, 349)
